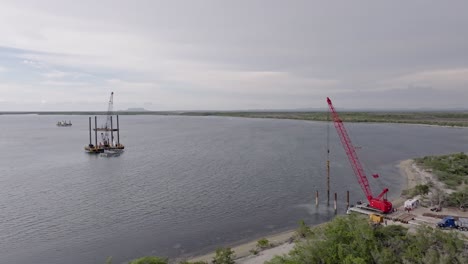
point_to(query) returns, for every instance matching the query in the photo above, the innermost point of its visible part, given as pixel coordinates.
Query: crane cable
(328, 155)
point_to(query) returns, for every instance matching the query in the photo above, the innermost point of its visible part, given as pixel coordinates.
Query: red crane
(379, 203)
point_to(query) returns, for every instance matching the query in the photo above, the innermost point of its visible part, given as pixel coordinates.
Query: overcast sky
(192, 55)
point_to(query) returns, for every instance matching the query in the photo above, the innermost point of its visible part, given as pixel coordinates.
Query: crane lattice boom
(379, 202)
(107, 128)
(350, 151)
(109, 110)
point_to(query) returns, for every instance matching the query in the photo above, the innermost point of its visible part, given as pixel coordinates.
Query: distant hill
(135, 109)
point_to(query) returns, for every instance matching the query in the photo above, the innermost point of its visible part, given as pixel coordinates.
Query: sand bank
(242, 251)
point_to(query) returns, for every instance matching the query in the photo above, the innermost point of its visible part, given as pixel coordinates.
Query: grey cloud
(358, 44)
(412, 97)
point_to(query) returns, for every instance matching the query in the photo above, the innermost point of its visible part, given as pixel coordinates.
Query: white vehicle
(411, 204)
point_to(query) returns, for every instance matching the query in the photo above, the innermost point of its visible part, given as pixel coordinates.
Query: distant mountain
(135, 109)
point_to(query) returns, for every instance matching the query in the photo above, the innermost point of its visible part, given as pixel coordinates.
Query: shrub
(303, 230)
(349, 239)
(449, 169)
(263, 243)
(224, 256)
(421, 189)
(459, 199)
(150, 260)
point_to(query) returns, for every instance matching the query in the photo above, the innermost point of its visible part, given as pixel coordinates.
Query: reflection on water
(184, 185)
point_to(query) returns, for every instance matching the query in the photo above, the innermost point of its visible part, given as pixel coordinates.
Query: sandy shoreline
(243, 250)
(412, 176)
(281, 241)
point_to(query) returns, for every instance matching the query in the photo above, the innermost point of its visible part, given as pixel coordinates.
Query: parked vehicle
(450, 222)
(411, 204)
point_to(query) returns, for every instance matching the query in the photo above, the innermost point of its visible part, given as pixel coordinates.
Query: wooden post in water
(90, 139)
(118, 131)
(112, 133)
(347, 200)
(335, 203)
(316, 198)
(95, 130)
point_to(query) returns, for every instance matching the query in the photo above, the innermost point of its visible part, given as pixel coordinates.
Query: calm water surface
(185, 185)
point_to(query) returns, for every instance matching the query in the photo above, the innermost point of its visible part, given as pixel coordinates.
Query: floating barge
(107, 144)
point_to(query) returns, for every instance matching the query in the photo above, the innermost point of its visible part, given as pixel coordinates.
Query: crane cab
(382, 205)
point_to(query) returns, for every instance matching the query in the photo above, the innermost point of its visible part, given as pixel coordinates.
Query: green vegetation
(458, 199)
(350, 239)
(303, 230)
(420, 189)
(453, 171)
(449, 169)
(149, 260)
(459, 119)
(263, 243)
(224, 256)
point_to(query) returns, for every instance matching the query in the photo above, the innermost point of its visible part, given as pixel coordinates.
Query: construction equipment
(108, 143)
(107, 126)
(376, 219)
(379, 203)
(450, 222)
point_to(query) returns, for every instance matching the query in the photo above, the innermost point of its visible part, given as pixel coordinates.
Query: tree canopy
(350, 239)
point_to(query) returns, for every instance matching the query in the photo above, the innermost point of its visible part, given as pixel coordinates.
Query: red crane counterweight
(379, 202)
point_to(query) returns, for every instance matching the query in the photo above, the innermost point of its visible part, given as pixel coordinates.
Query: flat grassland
(459, 119)
(438, 118)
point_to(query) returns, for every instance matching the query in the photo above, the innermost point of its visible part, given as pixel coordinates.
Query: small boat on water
(64, 123)
(111, 153)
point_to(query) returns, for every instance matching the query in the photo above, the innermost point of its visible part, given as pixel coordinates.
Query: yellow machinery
(376, 219)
